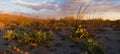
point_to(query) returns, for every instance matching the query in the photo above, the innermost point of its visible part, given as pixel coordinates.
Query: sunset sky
(107, 9)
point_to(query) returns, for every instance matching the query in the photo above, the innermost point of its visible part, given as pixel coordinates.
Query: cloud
(3, 3)
(71, 6)
(53, 5)
(66, 7)
(108, 5)
(15, 12)
(38, 6)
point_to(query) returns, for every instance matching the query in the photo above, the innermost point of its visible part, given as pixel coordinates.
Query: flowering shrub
(10, 35)
(83, 39)
(79, 34)
(92, 47)
(31, 39)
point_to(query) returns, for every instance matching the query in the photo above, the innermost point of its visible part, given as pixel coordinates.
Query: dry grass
(51, 24)
(2, 25)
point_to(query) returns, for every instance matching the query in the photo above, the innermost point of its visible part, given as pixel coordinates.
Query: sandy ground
(109, 39)
(63, 45)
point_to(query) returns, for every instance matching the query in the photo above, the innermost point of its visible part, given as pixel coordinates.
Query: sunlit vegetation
(85, 41)
(30, 39)
(79, 34)
(35, 32)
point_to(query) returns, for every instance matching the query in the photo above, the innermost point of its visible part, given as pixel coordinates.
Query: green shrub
(83, 39)
(30, 39)
(10, 35)
(79, 34)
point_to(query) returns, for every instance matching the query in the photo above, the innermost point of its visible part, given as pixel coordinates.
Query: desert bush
(10, 35)
(83, 39)
(30, 39)
(92, 47)
(79, 34)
